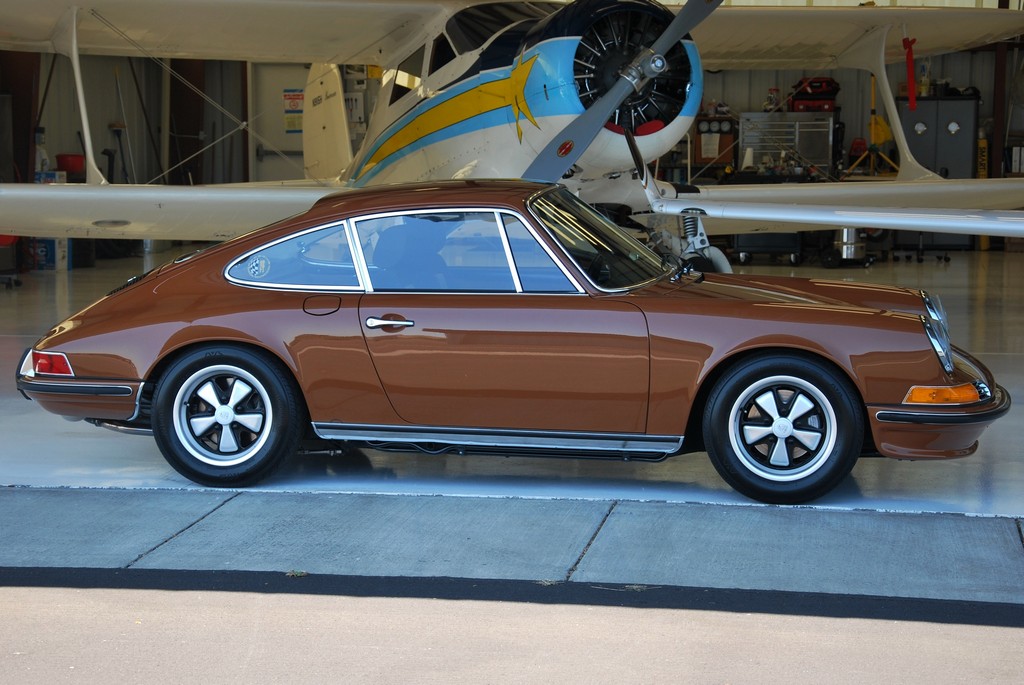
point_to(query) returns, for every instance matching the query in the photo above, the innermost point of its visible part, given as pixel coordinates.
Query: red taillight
(52, 363)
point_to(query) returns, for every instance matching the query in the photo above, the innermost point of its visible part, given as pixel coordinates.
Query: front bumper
(940, 431)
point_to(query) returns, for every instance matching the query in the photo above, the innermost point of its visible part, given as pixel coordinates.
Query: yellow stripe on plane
(487, 97)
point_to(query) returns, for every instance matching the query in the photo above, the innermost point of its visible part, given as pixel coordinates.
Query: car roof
(399, 197)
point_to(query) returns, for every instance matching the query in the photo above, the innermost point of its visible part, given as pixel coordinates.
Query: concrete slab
(802, 550)
(809, 550)
(94, 528)
(387, 536)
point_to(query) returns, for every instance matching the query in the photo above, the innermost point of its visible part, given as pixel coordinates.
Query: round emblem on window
(258, 266)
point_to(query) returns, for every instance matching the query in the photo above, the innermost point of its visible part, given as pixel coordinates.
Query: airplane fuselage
(488, 112)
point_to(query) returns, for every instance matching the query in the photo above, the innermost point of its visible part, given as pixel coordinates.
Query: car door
(461, 338)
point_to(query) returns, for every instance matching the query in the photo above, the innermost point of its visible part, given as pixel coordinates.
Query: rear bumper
(76, 398)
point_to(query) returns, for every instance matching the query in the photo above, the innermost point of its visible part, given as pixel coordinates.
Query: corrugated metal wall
(745, 91)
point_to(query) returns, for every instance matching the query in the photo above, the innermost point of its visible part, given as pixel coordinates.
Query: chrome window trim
(547, 250)
(361, 263)
(362, 271)
(509, 261)
(297, 287)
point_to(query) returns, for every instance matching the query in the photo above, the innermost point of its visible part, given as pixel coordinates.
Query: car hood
(785, 290)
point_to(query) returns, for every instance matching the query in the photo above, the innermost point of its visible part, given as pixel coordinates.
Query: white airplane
(544, 90)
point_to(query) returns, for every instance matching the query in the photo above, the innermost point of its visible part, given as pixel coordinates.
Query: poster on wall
(293, 103)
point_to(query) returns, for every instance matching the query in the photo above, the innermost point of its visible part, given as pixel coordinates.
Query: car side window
(538, 273)
(317, 260)
(436, 252)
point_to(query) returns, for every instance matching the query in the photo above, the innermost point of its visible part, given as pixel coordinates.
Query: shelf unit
(772, 136)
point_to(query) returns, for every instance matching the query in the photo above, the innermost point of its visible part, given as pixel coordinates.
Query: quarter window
(317, 260)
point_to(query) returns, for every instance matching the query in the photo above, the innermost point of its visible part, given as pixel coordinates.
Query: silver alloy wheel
(783, 428)
(222, 415)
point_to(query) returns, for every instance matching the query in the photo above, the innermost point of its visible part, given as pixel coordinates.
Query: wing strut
(868, 53)
(692, 247)
(65, 42)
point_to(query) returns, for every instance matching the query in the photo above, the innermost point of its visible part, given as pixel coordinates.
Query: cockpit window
(472, 27)
(442, 54)
(407, 76)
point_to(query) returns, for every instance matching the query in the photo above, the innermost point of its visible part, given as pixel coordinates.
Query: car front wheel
(783, 429)
(224, 416)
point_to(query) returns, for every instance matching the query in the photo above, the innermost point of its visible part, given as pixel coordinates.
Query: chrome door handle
(374, 322)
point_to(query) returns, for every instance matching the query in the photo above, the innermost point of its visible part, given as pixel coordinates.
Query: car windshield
(612, 258)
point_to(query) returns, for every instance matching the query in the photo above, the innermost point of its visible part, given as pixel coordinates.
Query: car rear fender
(169, 356)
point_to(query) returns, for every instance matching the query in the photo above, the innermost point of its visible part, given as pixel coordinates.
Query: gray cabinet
(942, 133)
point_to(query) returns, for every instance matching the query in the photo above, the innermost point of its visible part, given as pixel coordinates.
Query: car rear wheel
(223, 416)
(783, 429)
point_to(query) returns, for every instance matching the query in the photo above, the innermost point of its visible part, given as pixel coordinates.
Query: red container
(72, 164)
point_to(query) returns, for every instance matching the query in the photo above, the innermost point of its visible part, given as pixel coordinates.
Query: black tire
(783, 429)
(831, 258)
(227, 417)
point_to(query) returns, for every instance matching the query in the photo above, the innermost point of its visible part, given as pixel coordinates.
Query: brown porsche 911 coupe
(508, 317)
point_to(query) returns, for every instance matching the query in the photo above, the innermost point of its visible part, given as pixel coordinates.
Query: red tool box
(814, 94)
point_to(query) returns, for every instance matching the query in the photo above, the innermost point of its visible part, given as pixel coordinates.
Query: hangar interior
(153, 129)
(385, 565)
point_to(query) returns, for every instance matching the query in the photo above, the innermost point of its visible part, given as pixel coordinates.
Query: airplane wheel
(831, 258)
(744, 258)
(699, 263)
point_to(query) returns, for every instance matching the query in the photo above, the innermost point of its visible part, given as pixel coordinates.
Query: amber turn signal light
(957, 394)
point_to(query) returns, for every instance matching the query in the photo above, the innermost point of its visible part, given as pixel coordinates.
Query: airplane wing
(964, 196)
(364, 31)
(743, 37)
(352, 31)
(149, 212)
(330, 31)
(944, 206)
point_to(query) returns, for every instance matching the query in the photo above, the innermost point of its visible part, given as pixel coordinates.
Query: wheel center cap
(224, 415)
(782, 428)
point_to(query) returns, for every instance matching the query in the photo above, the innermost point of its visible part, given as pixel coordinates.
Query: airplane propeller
(571, 142)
